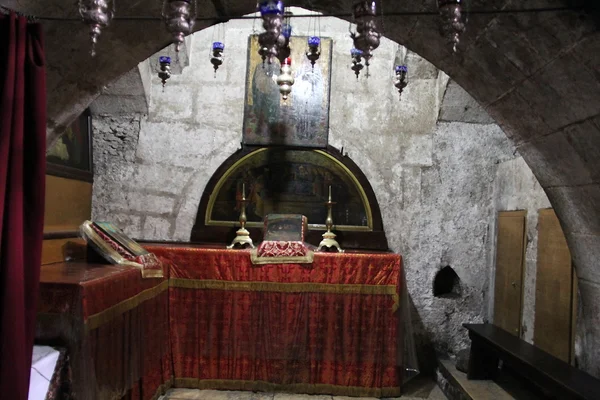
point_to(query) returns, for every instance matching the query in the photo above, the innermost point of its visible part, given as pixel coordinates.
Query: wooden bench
(489, 344)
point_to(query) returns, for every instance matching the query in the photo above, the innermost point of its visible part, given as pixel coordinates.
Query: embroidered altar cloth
(329, 327)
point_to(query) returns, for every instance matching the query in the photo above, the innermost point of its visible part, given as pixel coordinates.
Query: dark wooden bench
(489, 344)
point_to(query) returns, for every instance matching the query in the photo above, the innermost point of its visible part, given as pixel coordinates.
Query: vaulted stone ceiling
(499, 54)
(538, 75)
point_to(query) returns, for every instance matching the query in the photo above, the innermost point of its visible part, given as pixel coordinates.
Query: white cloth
(43, 363)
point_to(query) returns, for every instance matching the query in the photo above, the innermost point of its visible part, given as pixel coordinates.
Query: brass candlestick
(329, 237)
(243, 236)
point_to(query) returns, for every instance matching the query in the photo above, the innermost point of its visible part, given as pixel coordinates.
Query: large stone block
(156, 228)
(134, 202)
(523, 124)
(418, 150)
(175, 102)
(556, 161)
(420, 68)
(457, 105)
(220, 106)
(584, 138)
(576, 207)
(152, 178)
(585, 251)
(578, 87)
(547, 103)
(587, 343)
(516, 188)
(178, 144)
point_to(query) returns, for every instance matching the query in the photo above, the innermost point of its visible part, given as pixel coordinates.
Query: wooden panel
(57, 250)
(68, 203)
(510, 257)
(554, 288)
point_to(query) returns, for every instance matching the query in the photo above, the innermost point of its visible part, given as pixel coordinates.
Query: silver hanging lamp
(271, 40)
(179, 17)
(164, 73)
(453, 23)
(367, 37)
(285, 80)
(217, 48)
(314, 42)
(401, 78)
(357, 64)
(97, 14)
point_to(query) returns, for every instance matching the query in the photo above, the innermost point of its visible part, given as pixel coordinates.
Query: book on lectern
(118, 248)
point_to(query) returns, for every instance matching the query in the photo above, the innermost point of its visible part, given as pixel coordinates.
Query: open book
(118, 248)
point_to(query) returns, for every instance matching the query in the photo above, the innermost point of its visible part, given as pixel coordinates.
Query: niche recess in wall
(446, 283)
(291, 181)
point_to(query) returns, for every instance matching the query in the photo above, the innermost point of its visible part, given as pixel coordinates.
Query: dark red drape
(22, 188)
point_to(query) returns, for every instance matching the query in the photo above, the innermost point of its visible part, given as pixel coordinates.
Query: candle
(243, 191)
(329, 192)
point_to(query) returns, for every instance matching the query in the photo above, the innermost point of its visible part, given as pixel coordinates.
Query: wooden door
(510, 260)
(554, 289)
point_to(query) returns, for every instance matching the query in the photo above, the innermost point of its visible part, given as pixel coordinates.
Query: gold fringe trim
(389, 290)
(103, 317)
(304, 388)
(255, 259)
(152, 273)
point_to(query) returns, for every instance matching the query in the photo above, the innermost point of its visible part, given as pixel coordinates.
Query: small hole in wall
(446, 283)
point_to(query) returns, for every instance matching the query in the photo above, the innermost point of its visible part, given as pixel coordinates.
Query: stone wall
(433, 180)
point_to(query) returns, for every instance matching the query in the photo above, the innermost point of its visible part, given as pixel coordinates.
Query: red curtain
(22, 188)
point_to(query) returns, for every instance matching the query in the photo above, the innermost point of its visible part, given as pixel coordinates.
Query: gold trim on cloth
(389, 290)
(307, 259)
(305, 388)
(95, 321)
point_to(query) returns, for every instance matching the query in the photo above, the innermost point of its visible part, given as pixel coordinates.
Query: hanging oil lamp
(401, 79)
(453, 24)
(285, 51)
(217, 55)
(314, 50)
(285, 80)
(179, 17)
(366, 38)
(97, 14)
(271, 40)
(357, 64)
(165, 69)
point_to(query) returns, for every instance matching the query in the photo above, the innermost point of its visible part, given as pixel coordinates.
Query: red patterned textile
(151, 266)
(327, 327)
(269, 248)
(114, 324)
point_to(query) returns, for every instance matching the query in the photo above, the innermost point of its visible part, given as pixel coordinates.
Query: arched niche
(288, 180)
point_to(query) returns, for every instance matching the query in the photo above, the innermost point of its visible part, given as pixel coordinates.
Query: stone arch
(538, 75)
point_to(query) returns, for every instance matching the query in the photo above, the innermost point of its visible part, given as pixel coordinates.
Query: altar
(217, 321)
(329, 327)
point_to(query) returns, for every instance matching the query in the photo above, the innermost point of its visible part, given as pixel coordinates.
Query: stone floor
(423, 389)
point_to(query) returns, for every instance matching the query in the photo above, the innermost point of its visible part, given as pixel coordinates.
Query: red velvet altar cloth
(329, 327)
(114, 324)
